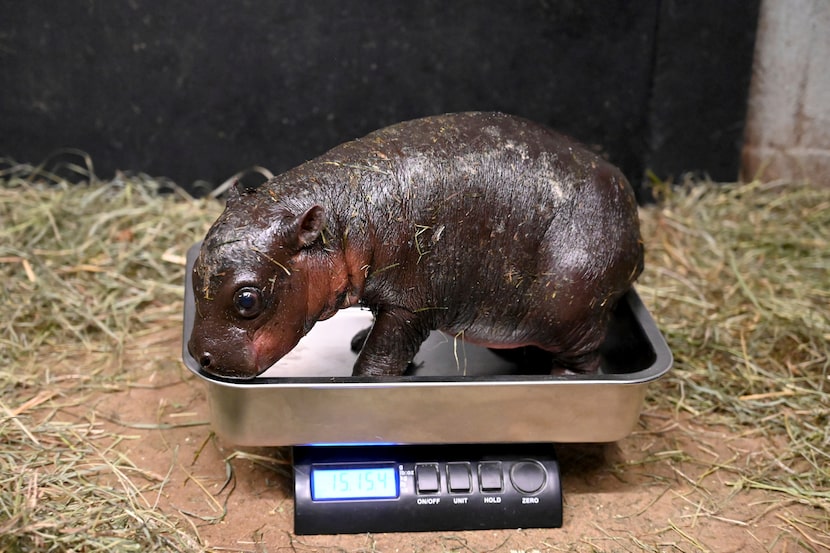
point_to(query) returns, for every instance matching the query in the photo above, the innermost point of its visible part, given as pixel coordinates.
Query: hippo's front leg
(391, 344)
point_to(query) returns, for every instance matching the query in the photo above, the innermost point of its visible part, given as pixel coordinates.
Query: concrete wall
(788, 122)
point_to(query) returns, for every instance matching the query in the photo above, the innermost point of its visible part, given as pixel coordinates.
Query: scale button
(528, 476)
(426, 477)
(459, 478)
(489, 476)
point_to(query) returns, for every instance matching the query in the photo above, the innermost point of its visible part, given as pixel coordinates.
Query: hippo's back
(486, 209)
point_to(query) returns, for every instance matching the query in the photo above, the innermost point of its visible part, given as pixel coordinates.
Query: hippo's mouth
(239, 364)
(236, 376)
(230, 372)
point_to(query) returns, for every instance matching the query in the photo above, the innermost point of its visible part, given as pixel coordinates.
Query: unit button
(489, 476)
(426, 477)
(459, 478)
(528, 476)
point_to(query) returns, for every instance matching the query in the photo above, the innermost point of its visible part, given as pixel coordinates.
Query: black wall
(200, 90)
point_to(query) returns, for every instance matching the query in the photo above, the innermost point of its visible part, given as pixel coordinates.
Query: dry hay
(738, 277)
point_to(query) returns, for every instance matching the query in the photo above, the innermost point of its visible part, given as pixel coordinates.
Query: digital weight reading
(346, 482)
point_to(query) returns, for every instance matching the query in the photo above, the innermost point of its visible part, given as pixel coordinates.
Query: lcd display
(379, 482)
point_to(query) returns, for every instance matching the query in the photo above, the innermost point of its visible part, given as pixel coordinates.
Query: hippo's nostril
(205, 360)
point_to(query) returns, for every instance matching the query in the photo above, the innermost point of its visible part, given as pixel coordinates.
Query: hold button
(489, 476)
(528, 476)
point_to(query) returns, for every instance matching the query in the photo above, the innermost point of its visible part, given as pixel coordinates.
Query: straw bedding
(737, 276)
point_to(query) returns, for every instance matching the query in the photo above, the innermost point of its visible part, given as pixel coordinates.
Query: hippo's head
(251, 285)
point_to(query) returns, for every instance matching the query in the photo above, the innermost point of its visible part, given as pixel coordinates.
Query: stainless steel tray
(459, 393)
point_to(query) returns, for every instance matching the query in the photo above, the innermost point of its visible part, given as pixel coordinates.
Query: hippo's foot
(573, 365)
(359, 339)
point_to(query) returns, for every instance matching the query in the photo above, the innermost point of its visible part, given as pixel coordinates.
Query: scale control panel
(411, 488)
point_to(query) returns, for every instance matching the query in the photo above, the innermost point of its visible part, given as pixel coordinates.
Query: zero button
(528, 476)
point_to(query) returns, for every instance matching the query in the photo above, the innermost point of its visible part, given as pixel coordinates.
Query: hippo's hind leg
(391, 343)
(577, 349)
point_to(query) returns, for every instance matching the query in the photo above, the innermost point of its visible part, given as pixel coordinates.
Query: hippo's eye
(248, 302)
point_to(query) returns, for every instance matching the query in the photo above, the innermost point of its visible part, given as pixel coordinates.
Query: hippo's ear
(235, 193)
(306, 228)
(235, 190)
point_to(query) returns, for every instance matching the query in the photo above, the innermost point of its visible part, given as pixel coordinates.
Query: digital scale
(464, 442)
(412, 488)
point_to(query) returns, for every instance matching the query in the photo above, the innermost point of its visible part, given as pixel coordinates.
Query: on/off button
(528, 476)
(426, 478)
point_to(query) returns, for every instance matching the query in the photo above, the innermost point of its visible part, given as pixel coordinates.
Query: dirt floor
(667, 487)
(106, 442)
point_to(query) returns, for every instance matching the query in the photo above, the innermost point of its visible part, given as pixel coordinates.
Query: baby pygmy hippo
(489, 227)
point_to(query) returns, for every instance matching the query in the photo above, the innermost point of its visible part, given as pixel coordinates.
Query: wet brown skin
(489, 227)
